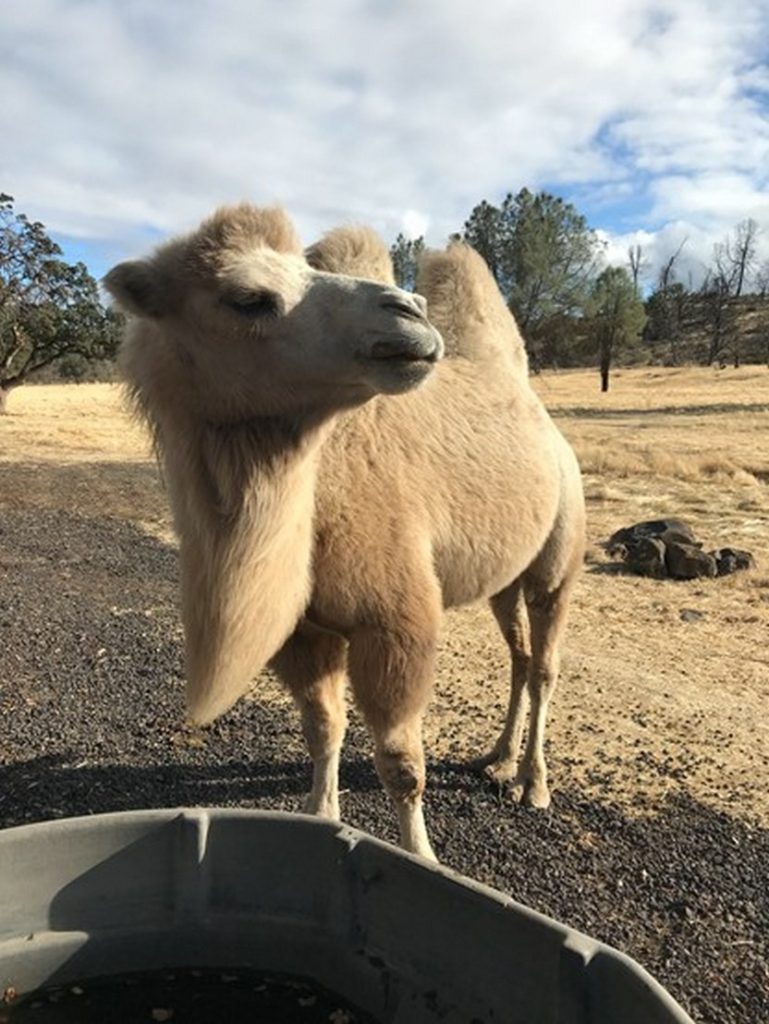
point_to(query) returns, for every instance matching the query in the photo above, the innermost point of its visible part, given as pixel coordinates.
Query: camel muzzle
(406, 307)
(401, 350)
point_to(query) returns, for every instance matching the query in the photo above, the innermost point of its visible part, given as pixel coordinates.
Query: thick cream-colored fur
(335, 533)
(353, 250)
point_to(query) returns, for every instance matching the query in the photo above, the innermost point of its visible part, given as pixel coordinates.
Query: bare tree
(733, 262)
(638, 264)
(717, 306)
(761, 288)
(667, 305)
(735, 257)
(741, 253)
(761, 280)
(667, 271)
(405, 253)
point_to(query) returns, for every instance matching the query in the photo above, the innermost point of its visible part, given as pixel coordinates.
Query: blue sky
(127, 121)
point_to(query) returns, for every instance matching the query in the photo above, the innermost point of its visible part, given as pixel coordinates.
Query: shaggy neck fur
(243, 499)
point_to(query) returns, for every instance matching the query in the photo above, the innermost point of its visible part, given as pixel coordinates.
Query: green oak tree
(405, 253)
(543, 256)
(616, 314)
(48, 308)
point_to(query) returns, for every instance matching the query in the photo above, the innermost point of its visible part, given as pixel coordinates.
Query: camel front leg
(391, 674)
(313, 667)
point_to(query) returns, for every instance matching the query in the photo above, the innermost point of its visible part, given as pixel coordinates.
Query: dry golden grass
(69, 423)
(692, 442)
(640, 684)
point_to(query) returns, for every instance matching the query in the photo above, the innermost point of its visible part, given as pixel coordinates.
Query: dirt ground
(658, 728)
(660, 702)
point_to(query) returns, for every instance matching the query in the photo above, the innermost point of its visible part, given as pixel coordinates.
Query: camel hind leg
(532, 616)
(312, 665)
(548, 585)
(509, 607)
(547, 611)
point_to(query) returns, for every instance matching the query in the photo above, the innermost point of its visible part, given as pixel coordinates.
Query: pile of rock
(668, 549)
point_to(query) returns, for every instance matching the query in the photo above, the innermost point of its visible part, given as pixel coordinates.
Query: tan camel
(323, 524)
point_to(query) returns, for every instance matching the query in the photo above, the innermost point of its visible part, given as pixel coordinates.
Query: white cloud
(717, 198)
(691, 245)
(414, 224)
(122, 117)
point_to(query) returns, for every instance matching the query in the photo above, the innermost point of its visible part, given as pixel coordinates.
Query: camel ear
(136, 288)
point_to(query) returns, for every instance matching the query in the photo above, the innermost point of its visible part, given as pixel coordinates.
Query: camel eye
(253, 304)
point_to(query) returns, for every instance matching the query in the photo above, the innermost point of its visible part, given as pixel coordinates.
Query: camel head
(245, 327)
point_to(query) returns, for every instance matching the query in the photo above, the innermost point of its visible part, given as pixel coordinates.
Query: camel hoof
(499, 772)
(321, 808)
(497, 769)
(536, 794)
(529, 793)
(479, 764)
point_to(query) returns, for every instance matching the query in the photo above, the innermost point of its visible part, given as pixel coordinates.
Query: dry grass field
(650, 703)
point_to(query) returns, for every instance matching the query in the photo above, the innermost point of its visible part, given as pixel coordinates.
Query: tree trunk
(674, 349)
(6, 387)
(606, 350)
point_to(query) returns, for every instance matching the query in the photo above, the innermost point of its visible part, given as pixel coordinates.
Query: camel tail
(466, 305)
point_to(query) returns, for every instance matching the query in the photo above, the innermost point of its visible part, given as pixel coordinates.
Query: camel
(335, 484)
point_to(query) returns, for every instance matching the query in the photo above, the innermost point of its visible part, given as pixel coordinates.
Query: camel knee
(402, 772)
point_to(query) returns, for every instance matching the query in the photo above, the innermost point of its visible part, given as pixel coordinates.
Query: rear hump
(466, 305)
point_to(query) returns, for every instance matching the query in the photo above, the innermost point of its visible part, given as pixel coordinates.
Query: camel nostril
(403, 308)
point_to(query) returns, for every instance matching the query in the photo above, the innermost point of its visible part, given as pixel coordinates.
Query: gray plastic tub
(404, 940)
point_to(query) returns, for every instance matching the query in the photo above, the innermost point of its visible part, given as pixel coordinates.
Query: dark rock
(688, 562)
(729, 560)
(646, 556)
(629, 535)
(667, 548)
(677, 537)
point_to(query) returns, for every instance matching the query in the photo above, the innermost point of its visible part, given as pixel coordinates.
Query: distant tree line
(726, 319)
(50, 310)
(573, 310)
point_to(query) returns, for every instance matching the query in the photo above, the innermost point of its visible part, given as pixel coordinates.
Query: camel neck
(243, 495)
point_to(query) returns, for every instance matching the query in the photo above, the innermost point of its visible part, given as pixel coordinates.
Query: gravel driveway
(91, 706)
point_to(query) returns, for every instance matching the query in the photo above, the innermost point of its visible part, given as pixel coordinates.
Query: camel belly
(477, 567)
(465, 579)
(475, 521)
(484, 541)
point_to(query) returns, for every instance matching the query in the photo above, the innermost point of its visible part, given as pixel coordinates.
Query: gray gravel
(91, 704)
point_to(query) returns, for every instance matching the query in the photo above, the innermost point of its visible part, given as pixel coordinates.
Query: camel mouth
(394, 365)
(407, 357)
(393, 352)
